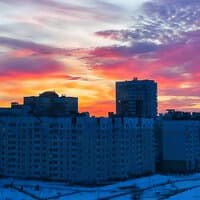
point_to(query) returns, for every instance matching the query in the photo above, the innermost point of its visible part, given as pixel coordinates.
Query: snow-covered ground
(147, 188)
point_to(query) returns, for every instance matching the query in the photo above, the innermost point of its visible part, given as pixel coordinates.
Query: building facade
(180, 145)
(136, 98)
(78, 150)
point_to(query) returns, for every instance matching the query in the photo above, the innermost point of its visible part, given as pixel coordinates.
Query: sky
(82, 47)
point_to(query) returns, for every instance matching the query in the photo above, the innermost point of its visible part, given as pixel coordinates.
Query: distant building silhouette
(50, 104)
(136, 98)
(180, 115)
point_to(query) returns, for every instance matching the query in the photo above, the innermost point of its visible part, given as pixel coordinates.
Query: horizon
(82, 48)
(63, 95)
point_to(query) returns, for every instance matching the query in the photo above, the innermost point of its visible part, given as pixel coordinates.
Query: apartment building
(136, 98)
(180, 145)
(76, 149)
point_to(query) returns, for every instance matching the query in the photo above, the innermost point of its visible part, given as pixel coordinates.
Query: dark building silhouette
(136, 98)
(173, 114)
(50, 104)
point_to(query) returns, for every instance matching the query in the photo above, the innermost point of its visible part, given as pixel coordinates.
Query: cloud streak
(28, 67)
(98, 9)
(38, 49)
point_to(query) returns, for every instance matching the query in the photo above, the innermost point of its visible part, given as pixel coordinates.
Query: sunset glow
(81, 49)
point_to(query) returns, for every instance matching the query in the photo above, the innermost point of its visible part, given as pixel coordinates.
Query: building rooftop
(49, 94)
